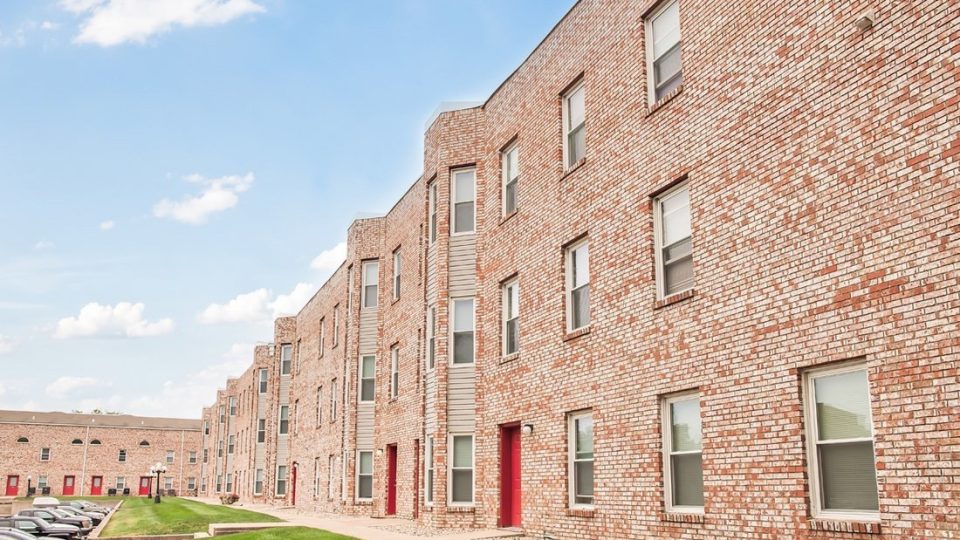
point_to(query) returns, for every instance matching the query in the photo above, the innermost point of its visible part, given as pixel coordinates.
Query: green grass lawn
(289, 533)
(140, 516)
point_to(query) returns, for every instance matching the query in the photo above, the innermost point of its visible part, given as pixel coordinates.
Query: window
(220, 448)
(682, 463)
(333, 400)
(672, 233)
(321, 346)
(511, 317)
(840, 442)
(581, 459)
(258, 482)
(42, 482)
(316, 478)
(296, 416)
(44, 454)
(23, 440)
(431, 349)
(121, 483)
(191, 483)
(428, 476)
(368, 369)
(206, 455)
(168, 483)
(233, 406)
(331, 479)
(463, 331)
(578, 286)
(464, 194)
(144, 444)
(281, 480)
(284, 419)
(261, 430)
(371, 280)
(394, 371)
(299, 355)
(170, 456)
(206, 428)
(77, 442)
(286, 355)
(95, 442)
(223, 418)
(319, 405)
(219, 483)
(574, 131)
(396, 274)
(432, 204)
(461, 470)
(122, 456)
(230, 444)
(263, 380)
(336, 320)
(364, 475)
(511, 174)
(663, 50)
(192, 457)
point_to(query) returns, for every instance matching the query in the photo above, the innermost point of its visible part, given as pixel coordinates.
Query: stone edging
(103, 524)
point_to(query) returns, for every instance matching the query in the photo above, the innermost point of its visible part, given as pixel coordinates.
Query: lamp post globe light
(158, 469)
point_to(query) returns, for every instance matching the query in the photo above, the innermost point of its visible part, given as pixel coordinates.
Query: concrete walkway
(368, 528)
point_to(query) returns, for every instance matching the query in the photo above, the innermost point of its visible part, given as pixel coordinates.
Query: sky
(174, 174)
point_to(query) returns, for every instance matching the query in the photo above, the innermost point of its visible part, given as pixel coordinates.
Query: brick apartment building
(691, 271)
(89, 455)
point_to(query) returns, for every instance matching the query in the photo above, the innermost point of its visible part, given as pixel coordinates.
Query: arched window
(77, 442)
(144, 444)
(23, 440)
(95, 442)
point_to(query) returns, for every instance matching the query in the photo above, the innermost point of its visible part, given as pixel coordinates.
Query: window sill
(829, 525)
(574, 334)
(679, 517)
(509, 358)
(365, 502)
(507, 217)
(574, 168)
(674, 298)
(581, 512)
(460, 509)
(666, 99)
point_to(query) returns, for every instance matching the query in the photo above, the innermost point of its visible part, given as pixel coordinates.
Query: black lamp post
(158, 469)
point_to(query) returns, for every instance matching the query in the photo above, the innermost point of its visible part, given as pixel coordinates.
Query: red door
(510, 492)
(145, 485)
(68, 482)
(96, 485)
(392, 480)
(13, 485)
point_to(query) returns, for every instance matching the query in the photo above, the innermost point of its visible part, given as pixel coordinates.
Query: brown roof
(105, 420)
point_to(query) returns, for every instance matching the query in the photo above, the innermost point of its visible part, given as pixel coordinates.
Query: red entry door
(145, 485)
(13, 485)
(392, 480)
(510, 492)
(96, 485)
(68, 484)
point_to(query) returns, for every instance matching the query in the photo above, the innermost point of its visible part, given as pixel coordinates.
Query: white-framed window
(220, 448)
(233, 406)
(286, 356)
(230, 444)
(42, 482)
(574, 125)
(299, 355)
(368, 374)
(316, 478)
(284, 424)
(343, 475)
(674, 242)
(258, 482)
(364, 475)
(219, 483)
(431, 332)
(464, 190)
(206, 455)
(264, 376)
(349, 296)
(394, 371)
(121, 483)
(578, 285)
(333, 400)
(170, 456)
(261, 430)
(44, 454)
(511, 316)
(396, 273)
(461, 470)
(191, 483)
(122, 456)
(168, 483)
(296, 416)
(371, 280)
(192, 457)
(432, 206)
(843, 475)
(223, 417)
(322, 340)
(462, 347)
(664, 71)
(281, 487)
(319, 405)
(580, 438)
(682, 461)
(331, 476)
(428, 474)
(510, 165)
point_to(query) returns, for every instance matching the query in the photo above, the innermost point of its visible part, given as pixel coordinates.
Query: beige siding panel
(461, 399)
(365, 426)
(368, 331)
(432, 286)
(431, 402)
(463, 265)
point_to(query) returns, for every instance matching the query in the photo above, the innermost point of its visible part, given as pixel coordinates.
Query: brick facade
(821, 162)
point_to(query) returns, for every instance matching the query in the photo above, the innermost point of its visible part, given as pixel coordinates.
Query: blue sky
(173, 175)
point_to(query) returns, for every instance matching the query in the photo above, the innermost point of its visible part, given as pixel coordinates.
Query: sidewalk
(368, 528)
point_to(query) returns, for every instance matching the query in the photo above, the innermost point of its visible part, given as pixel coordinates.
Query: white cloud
(330, 259)
(258, 306)
(63, 386)
(218, 194)
(124, 319)
(113, 22)
(42, 245)
(6, 344)
(49, 25)
(107, 225)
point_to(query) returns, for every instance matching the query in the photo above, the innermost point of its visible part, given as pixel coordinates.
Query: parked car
(8, 533)
(52, 515)
(87, 506)
(39, 527)
(46, 502)
(96, 517)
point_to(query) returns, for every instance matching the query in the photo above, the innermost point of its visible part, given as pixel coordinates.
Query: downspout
(83, 469)
(182, 459)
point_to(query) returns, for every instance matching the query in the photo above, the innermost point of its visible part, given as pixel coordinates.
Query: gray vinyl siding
(367, 334)
(463, 265)
(461, 399)
(283, 441)
(431, 402)
(368, 331)
(260, 454)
